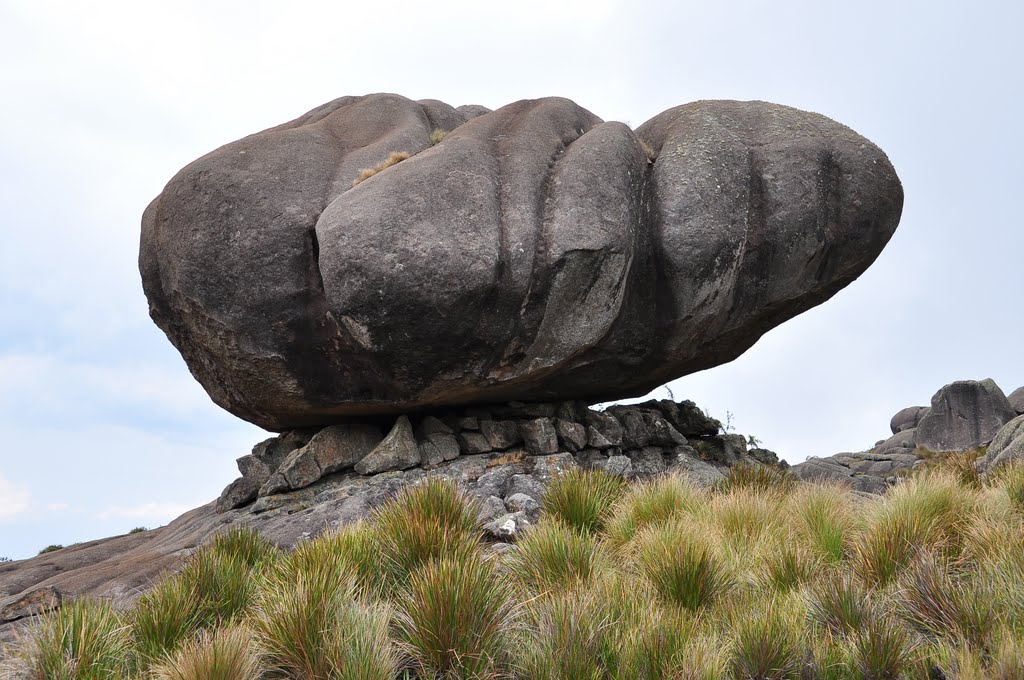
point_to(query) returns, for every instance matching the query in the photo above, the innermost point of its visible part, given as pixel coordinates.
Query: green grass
(615, 582)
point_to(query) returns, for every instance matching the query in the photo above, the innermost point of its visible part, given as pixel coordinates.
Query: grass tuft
(437, 135)
(393, 158)
(681, 565)
(756, 477)
(583, 499)
(224, 654)
(456, 618)
(84, 639)
(552, 557)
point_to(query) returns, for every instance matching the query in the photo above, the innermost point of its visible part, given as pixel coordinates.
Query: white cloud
(158, 512)
(14, 499)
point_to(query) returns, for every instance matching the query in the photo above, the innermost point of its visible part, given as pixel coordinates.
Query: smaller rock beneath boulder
(572, 435)
(525, 484)
(341, 446)
(240, 492)
(520, 502)
(907, 418)
(603, 429)
(727, 448)
(398, 451)
(472, 443)
(647, 462)
(685, 462)
(276, 484)
(766, 457)
(507, 527)
(539, 436)
(546, 468)
(491, 507)
(1016, 399)
(501, 434)
(619, 465)
(431, 425)
(635, 434)
(300, 468)
(904, 439)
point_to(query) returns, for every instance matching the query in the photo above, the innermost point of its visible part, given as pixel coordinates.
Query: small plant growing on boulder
(51, 548)
(437, 135)
(393, 158)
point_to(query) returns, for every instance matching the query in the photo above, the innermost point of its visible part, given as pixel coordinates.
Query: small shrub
(651, 503)
(310, 624)
(163, 618)
(942, 605)
(437, 135)
(767, 642)
(393, 158)
(456, 617)
(839, 605)
(883, 650)
(138, 530)
(51, 548)
(583, 499)
(681, 565)
(425, 522)
(225, 654)
(246, 545)
(552, 556)
(83, 640)
(758, 478)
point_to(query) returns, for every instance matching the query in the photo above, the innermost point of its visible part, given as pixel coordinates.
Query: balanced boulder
(379, 255)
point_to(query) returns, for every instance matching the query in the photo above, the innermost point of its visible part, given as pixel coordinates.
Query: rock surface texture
(535, 253)
(963, 415)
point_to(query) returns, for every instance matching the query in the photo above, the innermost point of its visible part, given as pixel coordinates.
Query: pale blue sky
(101, 426)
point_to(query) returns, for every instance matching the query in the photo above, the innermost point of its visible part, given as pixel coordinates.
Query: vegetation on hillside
(761, 577)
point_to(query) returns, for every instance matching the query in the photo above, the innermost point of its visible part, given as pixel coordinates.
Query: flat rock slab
(536, 253)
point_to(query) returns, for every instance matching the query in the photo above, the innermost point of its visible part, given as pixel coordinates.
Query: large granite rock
(907, 418)
(535, 254)
(1007, 446)
(964, 415)
(1016, 399)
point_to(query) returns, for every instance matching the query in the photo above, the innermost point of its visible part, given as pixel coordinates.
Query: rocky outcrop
(964, 415)
(1016, 399)
(536, 253)
(1007, 446)
(643, 439)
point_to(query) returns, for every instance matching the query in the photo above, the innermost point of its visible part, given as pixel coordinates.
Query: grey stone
(686, 418)
(647, 462)
(253, 469)
(508, 527)
(661, 432)
(466, 423)
(438, 444)
(597, 440)
(619, 465)
(300, 468)
(501, 434)
(904, 439)
(635, 434)
(573, 411)
(495, 481)
(964, 415)
(607, 426)
(491, 507)
(276, 484)
(591, 458)
(545, 468)
(339, 447)
(424, 287)
(432, 425)
(398, 451)
(539, 436)
(572, 435)
(685, 462)
(520, 502)
(766, 457)
(272, 452)
(1006, 446)
(525, 485)
(240, 492)
(727, 448)
(1016, 399)
(473, 442)
(907, 418)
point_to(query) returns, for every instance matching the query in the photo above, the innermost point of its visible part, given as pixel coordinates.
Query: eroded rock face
(536, 253)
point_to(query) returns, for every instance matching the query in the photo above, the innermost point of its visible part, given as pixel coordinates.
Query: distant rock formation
(966, 415)
(531, 253)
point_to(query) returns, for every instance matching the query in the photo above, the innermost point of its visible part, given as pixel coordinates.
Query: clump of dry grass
(393, 158)
(437, 136)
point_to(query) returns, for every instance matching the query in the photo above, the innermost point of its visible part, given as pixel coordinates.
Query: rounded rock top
(380, 255)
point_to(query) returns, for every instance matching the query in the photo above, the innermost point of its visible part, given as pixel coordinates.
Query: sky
(103, 429)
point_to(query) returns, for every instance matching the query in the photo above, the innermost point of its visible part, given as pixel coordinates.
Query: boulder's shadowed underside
(535, 253)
